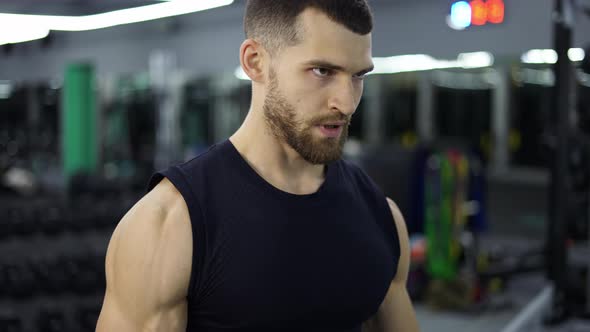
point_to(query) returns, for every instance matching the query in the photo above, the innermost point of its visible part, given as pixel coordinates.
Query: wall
(208, 42)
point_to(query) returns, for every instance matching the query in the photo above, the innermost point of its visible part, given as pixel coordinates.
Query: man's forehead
(320, 38)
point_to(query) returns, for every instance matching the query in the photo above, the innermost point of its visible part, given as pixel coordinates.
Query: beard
(281, 120)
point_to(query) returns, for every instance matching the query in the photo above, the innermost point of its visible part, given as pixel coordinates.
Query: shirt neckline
(260, 182)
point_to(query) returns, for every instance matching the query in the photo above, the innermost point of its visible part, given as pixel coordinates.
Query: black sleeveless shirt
(268, 260)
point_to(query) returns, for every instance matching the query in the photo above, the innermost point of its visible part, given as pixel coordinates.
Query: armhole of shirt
(385, 217)
(178, 178)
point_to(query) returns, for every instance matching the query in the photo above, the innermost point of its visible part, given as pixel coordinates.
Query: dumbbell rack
(52, 261)
(559, 256)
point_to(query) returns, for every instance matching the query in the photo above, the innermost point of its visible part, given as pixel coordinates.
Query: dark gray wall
(209, 41)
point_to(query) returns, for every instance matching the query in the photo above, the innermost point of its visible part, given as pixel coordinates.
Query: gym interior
(475, 121)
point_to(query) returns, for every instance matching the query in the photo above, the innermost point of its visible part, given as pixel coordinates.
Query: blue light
(461, 15)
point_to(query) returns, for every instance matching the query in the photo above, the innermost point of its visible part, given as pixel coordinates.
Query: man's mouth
(333, 125)
(332, 129)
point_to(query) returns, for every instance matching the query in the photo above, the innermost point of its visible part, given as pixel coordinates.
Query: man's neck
(276, 161)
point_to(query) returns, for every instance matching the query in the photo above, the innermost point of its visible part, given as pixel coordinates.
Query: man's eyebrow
(331, 66)
(365, 71)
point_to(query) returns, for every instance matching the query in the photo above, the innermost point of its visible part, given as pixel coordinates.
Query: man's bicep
(148, 270)
(114, 317)
(403, 265)
(117, 312)
(396, 312)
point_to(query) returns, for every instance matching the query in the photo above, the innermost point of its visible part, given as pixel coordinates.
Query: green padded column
(79, 143)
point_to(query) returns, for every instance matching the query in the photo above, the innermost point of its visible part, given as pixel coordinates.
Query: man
(270, 230)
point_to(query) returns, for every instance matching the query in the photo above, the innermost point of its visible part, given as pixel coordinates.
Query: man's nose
(343, 97)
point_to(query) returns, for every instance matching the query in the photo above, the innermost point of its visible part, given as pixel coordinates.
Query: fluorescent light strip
(576, 54)
(418, 62)
(422, 62)
(549, 56)
(114, 18)
(5, 89)
(24, 35)
(14, 31)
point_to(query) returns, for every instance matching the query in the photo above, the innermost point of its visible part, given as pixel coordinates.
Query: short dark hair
(274, 22)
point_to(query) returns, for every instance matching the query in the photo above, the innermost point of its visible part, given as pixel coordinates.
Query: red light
(479, 12)
(495, 11)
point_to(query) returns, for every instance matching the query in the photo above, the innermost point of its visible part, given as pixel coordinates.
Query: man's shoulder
(165, 202)
(211, 157)
(355, 171)
(185, 177)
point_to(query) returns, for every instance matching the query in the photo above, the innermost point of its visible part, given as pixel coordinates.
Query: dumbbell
(87, 317)
(10, 323)
(106, 214)
(83, 216)
(51, 220)
(51, 276)
(4, 291)
(91, 274)
(98, 263)
(76, 274)
(20, 281)
(26, 223)
(15, 280)
(28, 285)
(11, 280)
(51, 320)
(42, 270)
(14, 222)
(63, 274)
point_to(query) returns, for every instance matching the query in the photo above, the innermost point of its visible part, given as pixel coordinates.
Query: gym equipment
(130, 136)
(59, 277)
(84, 274)
(42, 270)
(162, 69)
(561, 193)
(87, 317)
(531, 318)
(463, 111)
(400, 103)
(14, 142)
(454, 217)
(80, 149)
(532, 107)
(196, 117)
(51, 320)
(10, 323)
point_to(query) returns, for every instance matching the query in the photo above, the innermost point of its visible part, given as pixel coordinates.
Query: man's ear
(252, 58)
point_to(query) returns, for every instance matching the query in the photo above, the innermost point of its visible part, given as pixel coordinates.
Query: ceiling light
(475, 60)
(15, 31)
(576, 54)
(422, 62)
(418, 62)
(460, 17)
(549, 56)
(5, 89)
(118, 17)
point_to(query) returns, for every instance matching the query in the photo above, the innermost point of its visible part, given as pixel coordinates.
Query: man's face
(315, 87)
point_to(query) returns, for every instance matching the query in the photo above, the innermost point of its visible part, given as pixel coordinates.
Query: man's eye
(360, 77)
(322, 72)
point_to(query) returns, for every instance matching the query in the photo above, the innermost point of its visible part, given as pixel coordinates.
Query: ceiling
(68, 7)
(88, 7)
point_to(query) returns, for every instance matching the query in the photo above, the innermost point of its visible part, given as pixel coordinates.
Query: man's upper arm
(396, 313)
(148, 266)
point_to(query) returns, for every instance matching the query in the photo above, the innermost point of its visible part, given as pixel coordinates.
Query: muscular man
(271, 230)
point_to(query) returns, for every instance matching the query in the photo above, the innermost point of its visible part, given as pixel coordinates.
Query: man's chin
(322, 154)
